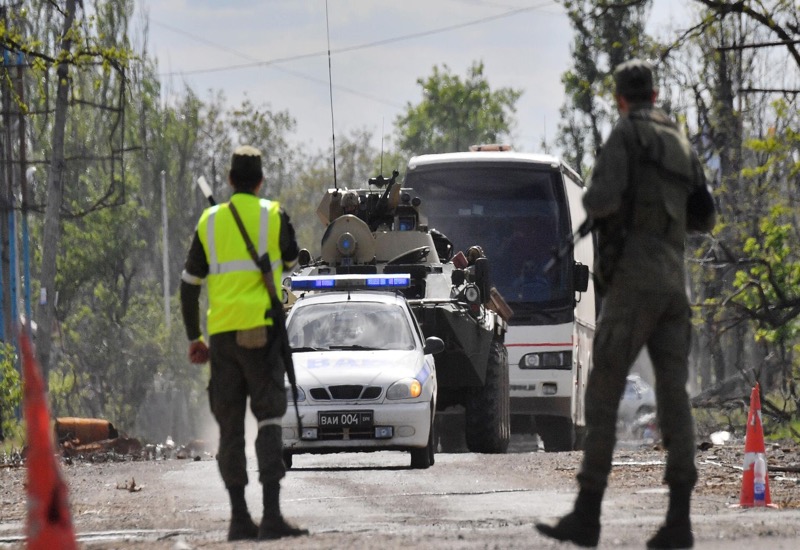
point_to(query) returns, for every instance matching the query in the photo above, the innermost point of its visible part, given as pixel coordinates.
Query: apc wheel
(488, 411)
(557, 433)
(287, 459)
(425, 457)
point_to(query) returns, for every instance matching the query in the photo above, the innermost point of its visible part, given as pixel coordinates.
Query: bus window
(516, 212)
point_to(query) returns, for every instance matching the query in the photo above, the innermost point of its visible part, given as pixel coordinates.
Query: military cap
(634, 79)
(246, 165)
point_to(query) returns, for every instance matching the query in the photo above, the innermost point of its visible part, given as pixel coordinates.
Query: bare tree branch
(766, 19)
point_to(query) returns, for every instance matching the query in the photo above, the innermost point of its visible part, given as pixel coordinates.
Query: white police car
(365, 373)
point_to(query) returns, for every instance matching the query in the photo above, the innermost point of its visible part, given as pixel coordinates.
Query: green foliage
(785, 425)
(10, 393)
(766, 289)
(606, 34)
(266, 130)
(456, 113)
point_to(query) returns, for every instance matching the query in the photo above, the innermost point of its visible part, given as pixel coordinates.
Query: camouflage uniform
(638, 197)
(638, 194)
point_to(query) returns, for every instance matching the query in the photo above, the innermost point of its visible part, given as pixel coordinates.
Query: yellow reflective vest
(237, 296)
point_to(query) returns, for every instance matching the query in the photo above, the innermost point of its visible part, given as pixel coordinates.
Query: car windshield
(350, 325)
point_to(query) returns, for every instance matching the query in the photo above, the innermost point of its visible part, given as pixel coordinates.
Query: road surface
(465, 501)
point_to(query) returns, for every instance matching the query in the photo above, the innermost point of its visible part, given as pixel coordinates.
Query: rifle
(568, 244)
(279, 325)
(206, 189)
(277, 313)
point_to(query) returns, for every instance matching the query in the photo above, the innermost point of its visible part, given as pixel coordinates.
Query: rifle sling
(277, 310)
(266, 276)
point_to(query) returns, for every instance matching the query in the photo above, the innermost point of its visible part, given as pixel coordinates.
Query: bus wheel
(557, 433)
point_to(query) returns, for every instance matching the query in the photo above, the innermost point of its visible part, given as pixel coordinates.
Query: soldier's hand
(198, 352)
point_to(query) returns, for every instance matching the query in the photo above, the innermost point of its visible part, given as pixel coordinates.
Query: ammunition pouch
(253, 338)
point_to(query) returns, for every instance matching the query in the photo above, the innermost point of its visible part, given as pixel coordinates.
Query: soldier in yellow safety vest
(245, 357)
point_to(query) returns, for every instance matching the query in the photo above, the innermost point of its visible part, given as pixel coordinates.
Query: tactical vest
(662, 170)
(662, 174)
(238, 298)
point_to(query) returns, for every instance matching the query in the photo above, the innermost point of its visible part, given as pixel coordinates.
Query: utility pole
(23, 176)
(6, 196)
(165, 251)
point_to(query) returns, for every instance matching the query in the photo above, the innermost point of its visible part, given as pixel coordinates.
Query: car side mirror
(433, 345)
(580, 277)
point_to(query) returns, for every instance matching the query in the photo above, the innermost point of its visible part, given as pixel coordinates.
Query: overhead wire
(243, 55)
(356, 47)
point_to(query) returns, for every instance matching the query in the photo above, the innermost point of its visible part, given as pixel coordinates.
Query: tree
(455, 114)
(743, 277)
(780, 17)
(723, 100)
(89, 67)
(267, 130)
(606, 34)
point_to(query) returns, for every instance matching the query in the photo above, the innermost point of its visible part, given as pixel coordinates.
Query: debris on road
(130, 487)
(84, 430)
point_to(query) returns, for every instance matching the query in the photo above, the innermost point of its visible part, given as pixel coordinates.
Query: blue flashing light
(312, 283)
(352, 282)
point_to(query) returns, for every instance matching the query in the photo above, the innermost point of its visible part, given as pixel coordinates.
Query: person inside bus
(532, 284)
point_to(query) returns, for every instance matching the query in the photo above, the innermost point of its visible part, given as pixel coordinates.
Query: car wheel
(287, 459)
(424, 457)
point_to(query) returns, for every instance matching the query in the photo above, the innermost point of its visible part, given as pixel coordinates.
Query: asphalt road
(375, 500)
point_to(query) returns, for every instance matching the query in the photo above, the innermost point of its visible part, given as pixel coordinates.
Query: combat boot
(582, 525)
(273, 525)
(677, 529)
(242, 526)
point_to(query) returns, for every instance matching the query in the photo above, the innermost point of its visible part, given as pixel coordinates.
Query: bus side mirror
(580, 277)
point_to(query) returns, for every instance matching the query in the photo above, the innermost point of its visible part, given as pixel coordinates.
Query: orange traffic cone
(755, 461)
(49, 522)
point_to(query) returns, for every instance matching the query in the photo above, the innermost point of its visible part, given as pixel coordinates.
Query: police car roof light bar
(352, 282)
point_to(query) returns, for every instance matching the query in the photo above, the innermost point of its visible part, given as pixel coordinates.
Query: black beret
(246, 164)
(634, 78)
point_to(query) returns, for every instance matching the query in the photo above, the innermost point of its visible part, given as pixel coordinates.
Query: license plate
(345, 419)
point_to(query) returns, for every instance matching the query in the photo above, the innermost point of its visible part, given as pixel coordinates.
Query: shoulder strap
(634, 146)
(263, 263)
(248, 243)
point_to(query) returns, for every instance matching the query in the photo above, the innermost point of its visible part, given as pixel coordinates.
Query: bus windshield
(518, 214)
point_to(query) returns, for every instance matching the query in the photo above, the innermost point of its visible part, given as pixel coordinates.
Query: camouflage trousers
(236, 374)
(629, 320)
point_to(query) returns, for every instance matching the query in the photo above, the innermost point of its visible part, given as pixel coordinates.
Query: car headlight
(301, 395)
(561, 360)
(408, 388)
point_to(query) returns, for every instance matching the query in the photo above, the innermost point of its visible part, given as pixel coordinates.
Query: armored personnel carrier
(382, 230)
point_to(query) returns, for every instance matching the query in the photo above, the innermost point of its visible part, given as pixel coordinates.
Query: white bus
(519, 207)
